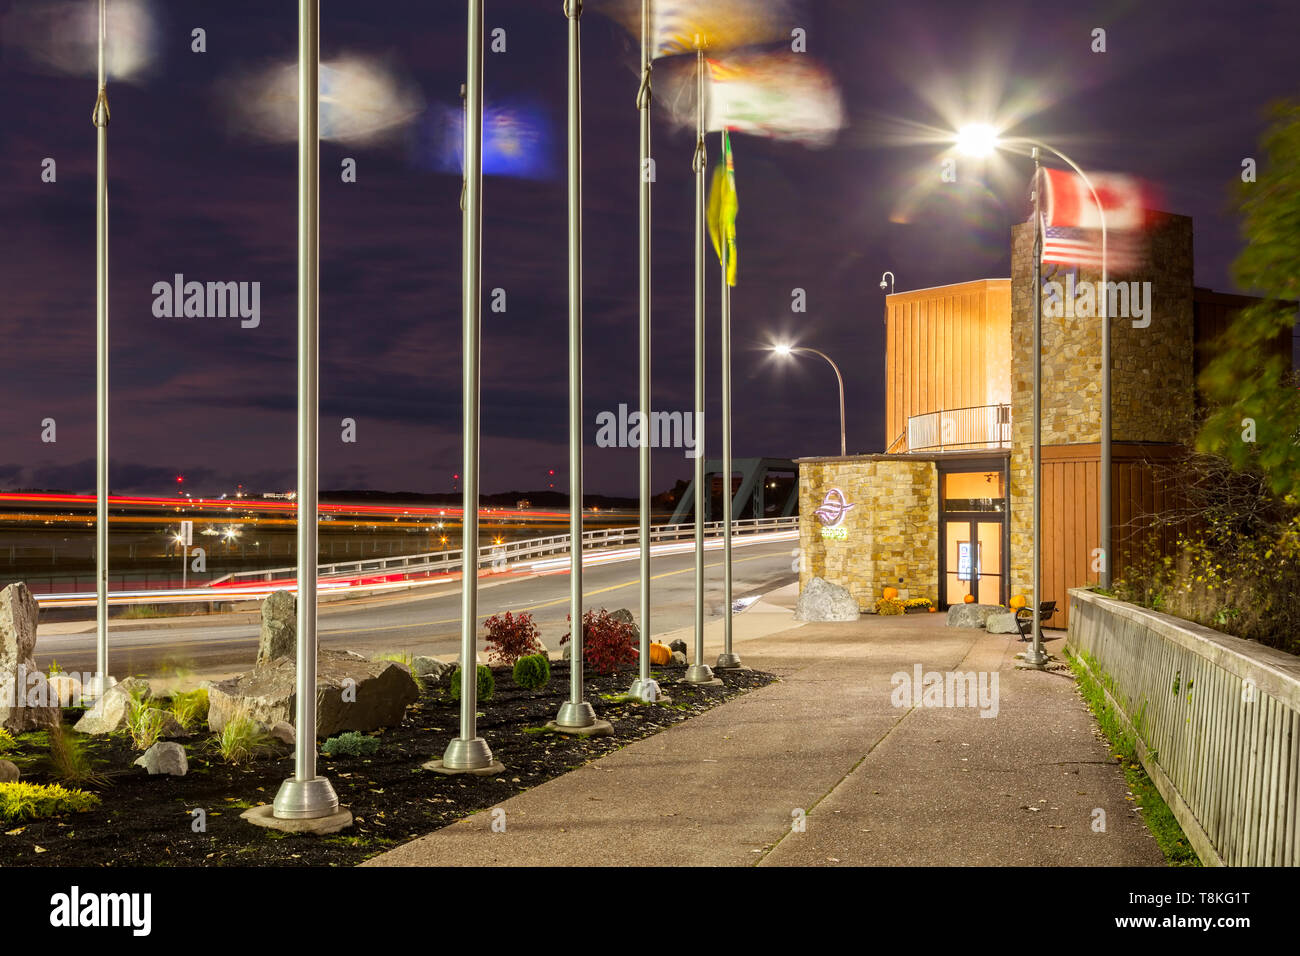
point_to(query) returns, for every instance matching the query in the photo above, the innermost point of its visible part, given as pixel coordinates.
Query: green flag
(723, 207)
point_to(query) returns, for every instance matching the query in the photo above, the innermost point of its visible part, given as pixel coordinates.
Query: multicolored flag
(1067, 200)
(724, 205)
(683, 26)
(1071, 223)
(517, 141)
(780, 95)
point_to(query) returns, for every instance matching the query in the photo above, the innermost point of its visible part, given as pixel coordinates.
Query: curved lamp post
(887, 284)
(784, 350)
(981, 140)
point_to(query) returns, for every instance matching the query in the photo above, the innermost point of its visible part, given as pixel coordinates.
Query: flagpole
(728, 658)
(306, 795)
(576, 712)
(100, 118)
(1035, 656)
(644, 687)
(699, 672)
(470, 752)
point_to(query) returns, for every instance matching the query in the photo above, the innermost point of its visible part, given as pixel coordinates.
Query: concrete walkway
(873, 783)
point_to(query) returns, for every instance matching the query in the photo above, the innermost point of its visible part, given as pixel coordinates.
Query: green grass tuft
(1160, 820)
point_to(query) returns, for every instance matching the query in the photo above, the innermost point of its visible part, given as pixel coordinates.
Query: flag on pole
(779, 95)
(1071, 223)
(1067, 200)
(724, 205)
(683, 26)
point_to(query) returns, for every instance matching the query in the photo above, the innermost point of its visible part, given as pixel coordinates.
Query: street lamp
(784, 350)
(978, 140)
(887, 284)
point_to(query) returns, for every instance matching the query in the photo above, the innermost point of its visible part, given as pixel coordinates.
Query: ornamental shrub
(510, 637)
(350, 744)
(532, 672)
(608, 644)
(36, 801)
(487, 684)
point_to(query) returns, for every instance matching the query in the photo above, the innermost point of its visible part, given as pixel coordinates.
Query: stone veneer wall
(1152, 369)
(891, 530)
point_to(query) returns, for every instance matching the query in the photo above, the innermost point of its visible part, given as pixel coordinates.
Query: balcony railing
(961, 429)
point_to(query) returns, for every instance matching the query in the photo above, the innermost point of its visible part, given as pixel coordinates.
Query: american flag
(1082, 247)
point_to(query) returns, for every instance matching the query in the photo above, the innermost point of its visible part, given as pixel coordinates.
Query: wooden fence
(1217, 722)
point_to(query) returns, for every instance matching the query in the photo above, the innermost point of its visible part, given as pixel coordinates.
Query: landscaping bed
(145, 820)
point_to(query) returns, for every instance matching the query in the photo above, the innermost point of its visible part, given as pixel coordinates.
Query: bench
(1025, 618)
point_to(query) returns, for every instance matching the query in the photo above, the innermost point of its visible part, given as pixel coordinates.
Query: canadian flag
(1067, 200)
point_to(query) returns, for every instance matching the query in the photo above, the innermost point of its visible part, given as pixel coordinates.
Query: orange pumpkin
(932, 609)
(660, 654)
(1018, 602)
(969, 599)
(891, 593)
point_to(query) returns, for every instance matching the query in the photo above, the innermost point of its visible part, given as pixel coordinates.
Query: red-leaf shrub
(608, 644)
(510, 637)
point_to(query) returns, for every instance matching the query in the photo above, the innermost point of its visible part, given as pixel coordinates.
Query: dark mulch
(147, 820)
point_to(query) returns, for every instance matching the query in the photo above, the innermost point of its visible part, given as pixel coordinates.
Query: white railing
(439, 562)
(981, 426)
(1217, 724)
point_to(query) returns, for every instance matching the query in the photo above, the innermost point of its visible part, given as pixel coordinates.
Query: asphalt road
(426, 622)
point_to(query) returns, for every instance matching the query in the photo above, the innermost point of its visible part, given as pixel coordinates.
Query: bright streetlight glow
(781, 349)
(977, 139)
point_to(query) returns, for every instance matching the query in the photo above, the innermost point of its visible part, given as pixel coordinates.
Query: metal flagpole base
(575, 715)
(1031, 660)
(305, 799)
(727, 662)
(646, 690)
(462, 754)
(698, 674)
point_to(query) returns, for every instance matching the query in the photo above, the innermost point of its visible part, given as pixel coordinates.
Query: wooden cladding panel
(1071, 503)
(946, 348)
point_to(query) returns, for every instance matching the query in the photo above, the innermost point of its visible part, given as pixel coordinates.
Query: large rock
(678, 647)
(109, 715)
(26, 701)
(431, 670)
(9, 772)
(823, 601)
(972, 615)
(626, 616)
(278, 640)
(1002, 622)
(352, 693)
(165, 758)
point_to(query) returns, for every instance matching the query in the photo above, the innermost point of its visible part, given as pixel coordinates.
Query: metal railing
(446, 562)
(1216, 720)
(979, 426)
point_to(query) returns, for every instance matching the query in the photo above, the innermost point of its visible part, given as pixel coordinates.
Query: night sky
(1179, 98)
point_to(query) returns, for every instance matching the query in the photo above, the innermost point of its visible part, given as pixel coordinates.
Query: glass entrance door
(973, 561)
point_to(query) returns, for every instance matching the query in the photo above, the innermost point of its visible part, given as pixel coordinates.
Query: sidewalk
(880, 785)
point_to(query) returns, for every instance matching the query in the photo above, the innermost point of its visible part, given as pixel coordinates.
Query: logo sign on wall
(831, 514)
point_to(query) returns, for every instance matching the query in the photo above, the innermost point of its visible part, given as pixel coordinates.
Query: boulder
(431, 670)
(110, 712)
(678, 646)
(278, 639)
(26, 702)
(972, 615)
(352, 693)
(284, 733)
(823, 601)
(165, 758)
(678, 659)
(624, 615)
(1002, 622)
(9, 772)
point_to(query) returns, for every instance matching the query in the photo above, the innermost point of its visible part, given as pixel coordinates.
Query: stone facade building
(947, 508)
